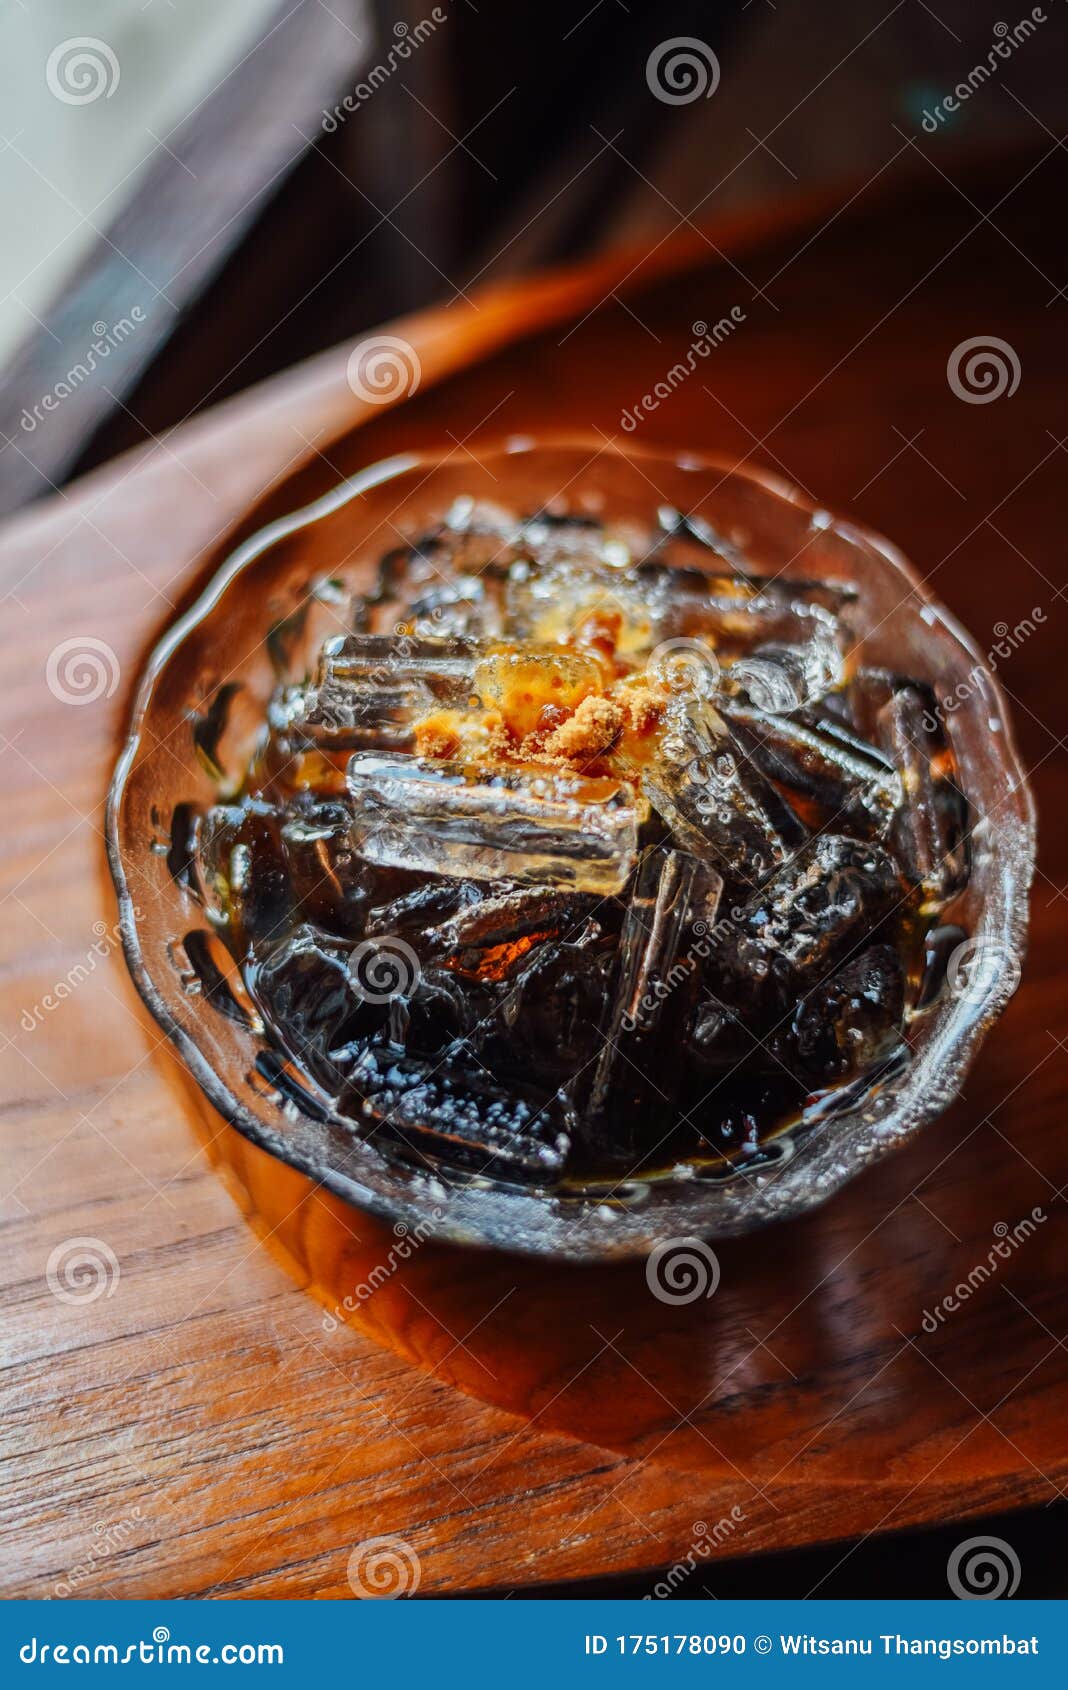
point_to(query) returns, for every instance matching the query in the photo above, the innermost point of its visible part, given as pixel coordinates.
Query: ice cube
(459, 1117)
(832, 595)
(851, 782)
(425, 906)
(781, 675)
(369, 689)
(529, 824)
(329, 883)
(459, 607)
(851, 1020)
(304, 989)
(548, 1020)
(804, 920)
(522, 683)
(930, 828)
(636, 1082)
(494, 934)
(716, 802)
(552, 602)
(651, 602)
(240, 870)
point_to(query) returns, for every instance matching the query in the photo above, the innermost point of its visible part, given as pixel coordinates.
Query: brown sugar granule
(435, 739)
(591, 730)
(642, 703)
(501, 742)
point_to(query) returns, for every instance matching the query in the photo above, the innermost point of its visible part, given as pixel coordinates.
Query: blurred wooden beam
(197, 199)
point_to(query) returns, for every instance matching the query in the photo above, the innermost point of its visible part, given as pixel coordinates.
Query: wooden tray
(196, 1428)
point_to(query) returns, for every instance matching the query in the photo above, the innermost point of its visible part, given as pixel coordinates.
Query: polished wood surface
(208, 1426)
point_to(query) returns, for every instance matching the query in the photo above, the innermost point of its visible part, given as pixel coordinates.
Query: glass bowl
(201, 704)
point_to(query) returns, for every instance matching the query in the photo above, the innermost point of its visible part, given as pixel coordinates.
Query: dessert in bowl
(572, 844)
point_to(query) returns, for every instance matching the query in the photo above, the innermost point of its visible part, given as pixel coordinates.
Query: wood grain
(200, 1429)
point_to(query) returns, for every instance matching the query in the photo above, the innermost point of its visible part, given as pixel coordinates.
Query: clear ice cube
(444, 1113)
(671, 908)
(521, 683)
(371, 689)
(716, 802)
(930, 831)
(529, 824)
(852, 782)
(654, 602)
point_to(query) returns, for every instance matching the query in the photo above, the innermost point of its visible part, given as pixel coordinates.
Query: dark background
(513, 136)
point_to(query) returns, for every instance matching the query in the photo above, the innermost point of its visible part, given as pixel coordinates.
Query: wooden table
(195, 1429)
